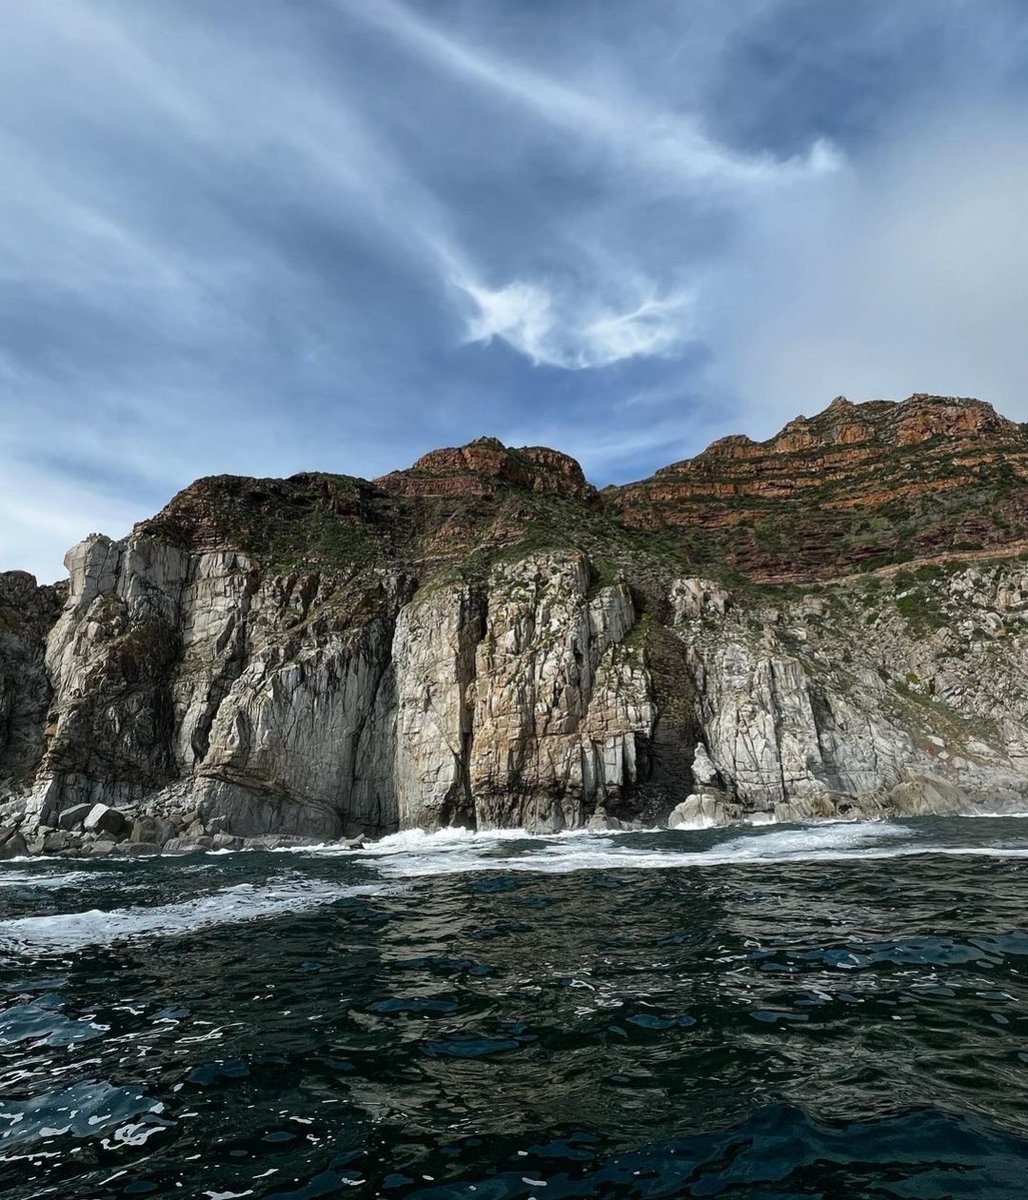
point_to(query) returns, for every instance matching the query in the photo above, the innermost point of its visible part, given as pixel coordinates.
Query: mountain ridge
(854, 485)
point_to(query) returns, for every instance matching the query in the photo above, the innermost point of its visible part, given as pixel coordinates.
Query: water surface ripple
(831, 1011)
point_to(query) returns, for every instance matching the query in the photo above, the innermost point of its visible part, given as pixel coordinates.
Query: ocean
(835, 1010)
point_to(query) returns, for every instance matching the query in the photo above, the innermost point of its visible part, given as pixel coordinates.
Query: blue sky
(333, 234)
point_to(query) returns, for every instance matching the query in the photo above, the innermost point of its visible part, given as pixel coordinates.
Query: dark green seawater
(832, 1011)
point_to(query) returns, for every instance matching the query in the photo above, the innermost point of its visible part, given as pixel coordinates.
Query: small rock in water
(225, 841)
(703, 810)
(102, 848)
(140, 849)
(600, 820)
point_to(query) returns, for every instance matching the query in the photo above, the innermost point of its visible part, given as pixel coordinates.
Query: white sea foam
(243, 902)
(450, 852)
(11, 877)
(1003, 816)
(444, 840)
(981, 851)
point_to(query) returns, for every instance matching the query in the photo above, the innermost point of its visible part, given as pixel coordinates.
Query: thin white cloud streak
(607, 309)
(61, 226)
(71, 229)
(663, 141)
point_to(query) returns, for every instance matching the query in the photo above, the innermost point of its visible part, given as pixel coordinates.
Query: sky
(334, 234)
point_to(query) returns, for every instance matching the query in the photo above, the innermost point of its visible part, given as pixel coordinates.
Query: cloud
(658, 139)
(908, 273)
(605, 308)
(575, 332)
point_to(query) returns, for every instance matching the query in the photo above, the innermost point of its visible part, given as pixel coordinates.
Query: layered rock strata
(855, 486)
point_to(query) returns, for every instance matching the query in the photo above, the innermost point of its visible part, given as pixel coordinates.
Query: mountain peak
(479, 467)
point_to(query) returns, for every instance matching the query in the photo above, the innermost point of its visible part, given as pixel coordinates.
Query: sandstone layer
(854, 487)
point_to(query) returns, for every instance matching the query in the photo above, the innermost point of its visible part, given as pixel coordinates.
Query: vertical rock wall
(296, 704)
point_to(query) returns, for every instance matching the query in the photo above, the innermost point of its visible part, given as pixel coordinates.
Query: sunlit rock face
(485, 641)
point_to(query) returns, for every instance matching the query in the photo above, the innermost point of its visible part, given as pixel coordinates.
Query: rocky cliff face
(484, 641)
(298, 705)
(27, 613)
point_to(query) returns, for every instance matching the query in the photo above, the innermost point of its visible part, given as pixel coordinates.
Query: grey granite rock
(142, 849)
(73, 818)
(196, 698)
(152, 829)
(101, 818)
(12, 843)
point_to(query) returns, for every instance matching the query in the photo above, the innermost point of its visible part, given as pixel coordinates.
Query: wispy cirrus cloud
(604, 308)
(641, 134)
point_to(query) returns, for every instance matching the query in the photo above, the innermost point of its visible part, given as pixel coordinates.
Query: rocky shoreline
(104, 832)
(99, 831)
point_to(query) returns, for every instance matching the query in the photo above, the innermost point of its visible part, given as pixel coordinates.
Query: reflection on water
(834, 1011)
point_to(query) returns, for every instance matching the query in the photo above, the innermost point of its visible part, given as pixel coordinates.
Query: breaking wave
(241, 902)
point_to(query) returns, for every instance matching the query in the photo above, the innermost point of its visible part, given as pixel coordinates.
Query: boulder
(101, 818)
(57, 842)
(101, 848)
(152, 829)
(703, 811)
(922, 794)
(821, 806)
(599, 821)
(12, 810)
(225, 841)
(143, 849)
(12, 843)
(72, 818)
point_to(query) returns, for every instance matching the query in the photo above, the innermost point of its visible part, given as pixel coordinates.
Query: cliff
(486, 640)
